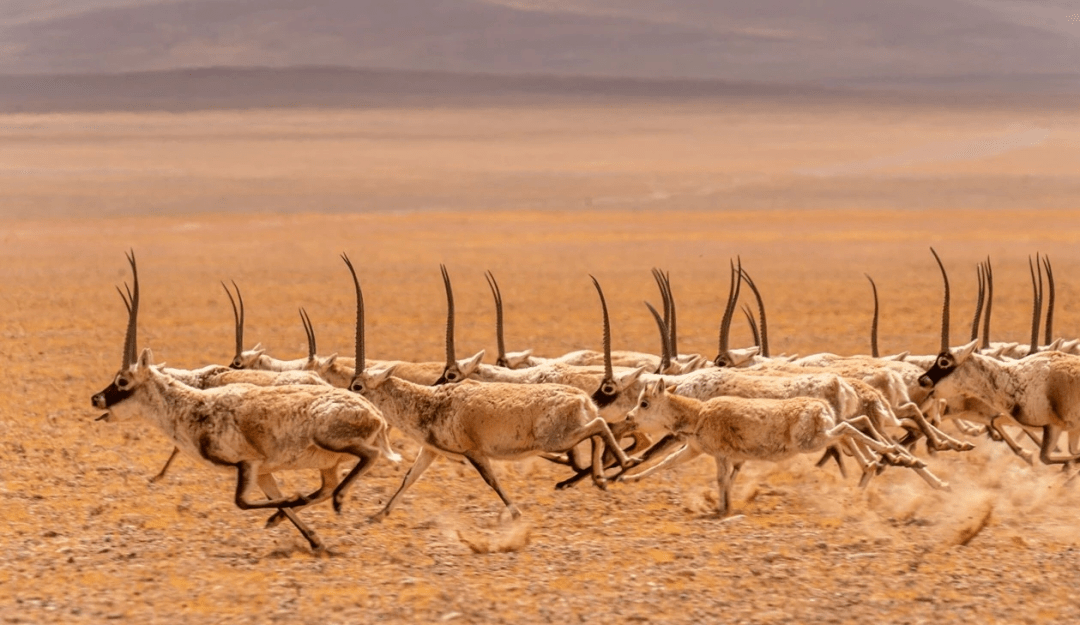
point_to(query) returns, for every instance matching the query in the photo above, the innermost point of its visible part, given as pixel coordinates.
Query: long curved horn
(874, 325)
(310, 331)
(359, 318)
(663, 280)
(764, 344)
(753, 325)
(131, 302)
(1036, 313)
(497, 294)
(1049, 301)
(989, 273)
(945, 306)
(665, 345)
(673, 335)
(979, 302)
(450, 351)
(729, 310)
(609, 370)
(238, 318)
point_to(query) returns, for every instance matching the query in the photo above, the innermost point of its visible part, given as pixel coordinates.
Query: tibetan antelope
(733, 429)
(255, 429)
(479, 422)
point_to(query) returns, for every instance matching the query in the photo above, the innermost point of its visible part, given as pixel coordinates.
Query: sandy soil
(87, 539)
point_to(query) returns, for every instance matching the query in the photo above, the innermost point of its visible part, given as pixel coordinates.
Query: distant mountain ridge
(772, 41)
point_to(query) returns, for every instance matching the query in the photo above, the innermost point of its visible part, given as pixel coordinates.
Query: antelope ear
(1055, 346)
(964, 352)
(901, 357)
(146, 358)
(671, 389)
(661, 388)
(625, 380)
(740, 357)
(469, 365)
(517, 359)
(378, 377)
(330, 360)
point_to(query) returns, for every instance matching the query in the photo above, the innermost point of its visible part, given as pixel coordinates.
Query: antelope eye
(644, 404)
(357, 388)
(943, 362)
(122, 382)
(451, 376)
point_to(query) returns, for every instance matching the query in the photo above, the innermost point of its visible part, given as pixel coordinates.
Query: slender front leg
(269, 486)
(483, 466)
(1049, 442)
(161, 473)
(724, 478)
(422, 462)
(1024, 454)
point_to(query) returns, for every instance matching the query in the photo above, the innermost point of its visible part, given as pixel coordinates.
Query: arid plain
(811, 197)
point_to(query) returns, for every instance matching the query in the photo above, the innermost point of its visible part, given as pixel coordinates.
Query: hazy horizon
(841, 43)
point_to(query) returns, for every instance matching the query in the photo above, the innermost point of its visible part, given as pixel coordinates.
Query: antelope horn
(132, 305)
(359, 317)
(672, 333)
(1036, 313)
(497, 294)
(663, 280)
(979, 302)
(665, 348)
(764, 344)
(753, 325)
(945, 306)
(238, 317)
(874, 325)
(450, 351)
(729, 310)
(1049, 301)
(609, 372)
(988, 272)
(309, 329)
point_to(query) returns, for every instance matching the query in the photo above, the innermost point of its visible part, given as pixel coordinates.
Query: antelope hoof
(377, 518)
(337, 504)
(966, 446)
(600, 482)
(275, 519)
(514, 512)
(1027, 457)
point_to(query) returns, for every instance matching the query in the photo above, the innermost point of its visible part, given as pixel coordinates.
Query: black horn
(497, 294)
(874, 324)
(359, 318)
(945, 306)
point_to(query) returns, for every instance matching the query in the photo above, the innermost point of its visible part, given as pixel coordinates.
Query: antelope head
(610, 386)
(732, 357)
(133, 371)
(454, 371)
(947, 359)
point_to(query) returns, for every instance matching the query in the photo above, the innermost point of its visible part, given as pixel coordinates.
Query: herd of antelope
(261, 415)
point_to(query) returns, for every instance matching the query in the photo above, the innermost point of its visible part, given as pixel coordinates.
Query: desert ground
(810, 198)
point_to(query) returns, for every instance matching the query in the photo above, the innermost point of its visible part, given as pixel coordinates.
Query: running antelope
(479, 422)
(733, 429)
(255, 429)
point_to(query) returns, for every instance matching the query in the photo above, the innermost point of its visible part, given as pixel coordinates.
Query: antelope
(734, 429)
(479, 422)
(213, 376)
(255, 429)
